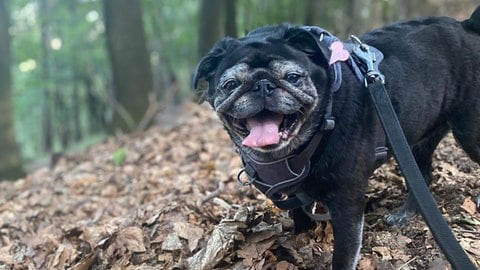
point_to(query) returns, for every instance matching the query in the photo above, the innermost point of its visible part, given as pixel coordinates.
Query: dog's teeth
(292, 126)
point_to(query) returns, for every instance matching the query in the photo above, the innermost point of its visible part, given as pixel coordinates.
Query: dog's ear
(205, 70)
(309, 40)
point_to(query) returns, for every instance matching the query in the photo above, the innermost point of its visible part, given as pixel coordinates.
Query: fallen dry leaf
(366, 263)
(131, 238)
(469, 206)
(218, 246)
(190, 232)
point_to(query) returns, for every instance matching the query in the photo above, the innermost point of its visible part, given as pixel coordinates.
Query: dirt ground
(168, 199)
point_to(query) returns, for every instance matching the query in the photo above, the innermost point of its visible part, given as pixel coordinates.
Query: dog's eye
(292, 78)
(230, 84)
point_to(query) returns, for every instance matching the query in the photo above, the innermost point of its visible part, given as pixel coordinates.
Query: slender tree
(209, 31)
(10, 161)
(45, 69)
(76, 73)
(130, 61)
(354, 14)
(231, 18)
(317, 12)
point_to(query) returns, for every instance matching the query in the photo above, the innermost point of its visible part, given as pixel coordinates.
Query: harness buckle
(381, 153)
(328, 123)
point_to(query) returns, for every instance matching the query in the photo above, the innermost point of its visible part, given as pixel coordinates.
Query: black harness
(273, 177)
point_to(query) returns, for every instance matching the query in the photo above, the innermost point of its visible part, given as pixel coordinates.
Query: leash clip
(367, 59)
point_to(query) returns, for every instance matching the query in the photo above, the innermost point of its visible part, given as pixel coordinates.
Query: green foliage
(119, 156)
(75, 53)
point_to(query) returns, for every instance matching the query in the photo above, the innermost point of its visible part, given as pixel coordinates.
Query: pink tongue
(263, 131)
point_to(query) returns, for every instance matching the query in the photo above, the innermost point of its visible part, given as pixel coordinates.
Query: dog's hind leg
(423, 153)
(466, 130)
(467, 135)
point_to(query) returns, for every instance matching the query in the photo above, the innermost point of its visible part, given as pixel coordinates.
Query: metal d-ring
(244, 183)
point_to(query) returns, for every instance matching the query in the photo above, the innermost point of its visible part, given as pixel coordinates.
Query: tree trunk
(95, 106)
(10, 161)
(317, 13)
(46, 115)
(231, 18)
(63, 118)
(310, 12)
(209, 22)
(130, 61)
(76, 100)
(76, 76)
(357, 13)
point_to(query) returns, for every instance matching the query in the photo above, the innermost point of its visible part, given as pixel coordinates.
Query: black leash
(441, 232)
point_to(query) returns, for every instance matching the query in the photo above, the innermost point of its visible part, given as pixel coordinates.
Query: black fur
(432, 70)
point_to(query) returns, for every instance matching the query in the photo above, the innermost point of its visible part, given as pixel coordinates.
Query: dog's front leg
(347, 222)
(302, 222)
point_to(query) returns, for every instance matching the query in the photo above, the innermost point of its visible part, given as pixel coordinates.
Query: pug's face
(268, 88)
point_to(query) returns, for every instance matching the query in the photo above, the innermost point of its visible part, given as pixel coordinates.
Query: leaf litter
(168, 199)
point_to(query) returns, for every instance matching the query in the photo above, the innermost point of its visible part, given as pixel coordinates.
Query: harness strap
(273, 177)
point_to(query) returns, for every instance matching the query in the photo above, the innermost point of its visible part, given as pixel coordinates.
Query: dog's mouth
(267, 129)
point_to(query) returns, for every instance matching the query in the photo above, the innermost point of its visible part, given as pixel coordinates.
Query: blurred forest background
(73, 72)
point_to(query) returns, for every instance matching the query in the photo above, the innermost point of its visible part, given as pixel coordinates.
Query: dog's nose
(265, 86)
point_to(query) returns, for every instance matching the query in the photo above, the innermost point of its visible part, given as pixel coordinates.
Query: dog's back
(435, 59)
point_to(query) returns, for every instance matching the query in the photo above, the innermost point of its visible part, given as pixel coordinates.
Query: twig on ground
(467, 231)
(211, 195)
(407, 263)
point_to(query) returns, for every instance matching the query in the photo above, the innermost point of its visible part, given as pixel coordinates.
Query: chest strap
(273, 177)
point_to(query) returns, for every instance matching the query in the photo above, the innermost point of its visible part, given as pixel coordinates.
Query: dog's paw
(399, 218)
(304, 226)
(302, 222)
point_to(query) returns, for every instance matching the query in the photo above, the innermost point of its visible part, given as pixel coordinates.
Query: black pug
(273, 88)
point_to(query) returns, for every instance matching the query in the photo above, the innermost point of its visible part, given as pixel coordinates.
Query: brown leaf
(255, 250)
(219, 244)
(131, 238)
(383, 251)
(284, 265)
(366, 263)
(86, 262)
(97, 235)
(471, 245)
(172, 242)
(5, 255)
(190, 232)
(61, 256)
(469, 206)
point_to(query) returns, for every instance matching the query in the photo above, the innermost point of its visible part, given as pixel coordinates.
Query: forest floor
(168, 199)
